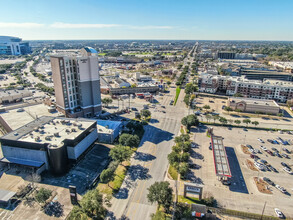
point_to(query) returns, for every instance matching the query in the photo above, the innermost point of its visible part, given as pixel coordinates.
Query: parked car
(279, 213)
(249, 146)
(253, 156)
(263, 148)
(264, 161)
(20, 110)
(285, 155)
(275, 149)
(285, 165)
(286, 169)
(270, 152)
(286, 150)
(269, 181)
(252, 150)
(282, 189)
(260, 140)
(259, 166)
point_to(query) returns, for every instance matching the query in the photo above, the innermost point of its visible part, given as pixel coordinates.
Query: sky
(147, 19)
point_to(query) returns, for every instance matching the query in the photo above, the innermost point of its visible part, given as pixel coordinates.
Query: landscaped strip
(178, 89)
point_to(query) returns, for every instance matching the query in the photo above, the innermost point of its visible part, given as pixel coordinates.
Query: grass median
(178, 89)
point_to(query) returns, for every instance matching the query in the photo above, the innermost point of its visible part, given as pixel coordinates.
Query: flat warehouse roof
(222, 167)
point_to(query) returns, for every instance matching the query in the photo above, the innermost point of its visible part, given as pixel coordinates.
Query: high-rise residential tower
(77, 84)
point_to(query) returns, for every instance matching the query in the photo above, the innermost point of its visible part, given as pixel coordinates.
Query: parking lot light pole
(263, 210)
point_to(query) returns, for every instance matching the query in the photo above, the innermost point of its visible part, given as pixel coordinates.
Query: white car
(279, 213)
(281, 188)
(263, 148)
(260, 140)
(287, 170)
(259, 166)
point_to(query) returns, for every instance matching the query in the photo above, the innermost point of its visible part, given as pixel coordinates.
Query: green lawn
(173, 172)
(178, 89)
(115, 185)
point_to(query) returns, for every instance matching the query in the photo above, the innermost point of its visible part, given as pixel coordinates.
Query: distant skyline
(147, 19)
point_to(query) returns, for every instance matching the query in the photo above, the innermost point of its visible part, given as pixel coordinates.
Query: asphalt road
(150, 163)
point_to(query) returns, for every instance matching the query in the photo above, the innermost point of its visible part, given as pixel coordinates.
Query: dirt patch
(250, 165)
(262, 186)
(245, 149)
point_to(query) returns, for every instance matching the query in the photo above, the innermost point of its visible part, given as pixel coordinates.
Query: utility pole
(263, 210)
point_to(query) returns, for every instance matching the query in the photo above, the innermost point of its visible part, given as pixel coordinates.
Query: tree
(162, 193)
(107, 175)
(145, 113)
(92, 205)
(182, 138)
(169, 83)
(133, 85)
(34, 178)
(190, 120)
(42, 195)
(255, 123)
(177, 149)
(189, 88)
(173, 157)
(206, 107)
(129, 140)
(246, 121)
(186, 99)
(120, 153)
(77, 213)
(208, 117)
(183, 168)
(238, 122)
(184, 157)
(107, 101)
(215, 117)
(223, 120)
(228, 109)
(238, 95)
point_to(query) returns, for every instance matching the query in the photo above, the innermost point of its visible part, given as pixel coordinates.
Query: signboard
(193, 189)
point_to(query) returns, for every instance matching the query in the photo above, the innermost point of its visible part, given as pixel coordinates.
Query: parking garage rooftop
(222, 167)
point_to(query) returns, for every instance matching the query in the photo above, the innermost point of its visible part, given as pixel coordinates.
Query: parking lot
(243, 193)
(264, 120)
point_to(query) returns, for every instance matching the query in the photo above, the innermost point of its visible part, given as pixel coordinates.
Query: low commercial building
(108, 131)
(48, 143)
(8, 96)
(254, 105)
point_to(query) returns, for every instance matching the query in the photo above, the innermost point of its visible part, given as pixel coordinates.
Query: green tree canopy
(145, 113)
(42, 195)
(120, 153)
(129, 140)
(162, 193)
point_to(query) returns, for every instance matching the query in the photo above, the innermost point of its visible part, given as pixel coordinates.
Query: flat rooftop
(50, 130)
(14, 92)
(222, 167)
(107, 126)
(262, 102)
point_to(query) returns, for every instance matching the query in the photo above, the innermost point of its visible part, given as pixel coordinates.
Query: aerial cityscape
(146, 110)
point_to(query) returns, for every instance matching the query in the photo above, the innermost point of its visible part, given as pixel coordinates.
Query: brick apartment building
(280, 91)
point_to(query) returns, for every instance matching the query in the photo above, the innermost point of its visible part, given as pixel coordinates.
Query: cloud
(20, 25)
(149, 27)
(68, 25)
(73, 26)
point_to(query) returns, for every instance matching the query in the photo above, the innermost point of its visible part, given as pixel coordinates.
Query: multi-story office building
(77, 84)
(226, 55)
(278, 90)
(13, 46)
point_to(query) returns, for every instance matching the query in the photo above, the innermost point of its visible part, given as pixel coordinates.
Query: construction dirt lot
(243, 194)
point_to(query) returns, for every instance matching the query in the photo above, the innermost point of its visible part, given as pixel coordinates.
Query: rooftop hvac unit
(48, 138)
(37, 138)
(67, 131)
(56, 134)
(73, 129)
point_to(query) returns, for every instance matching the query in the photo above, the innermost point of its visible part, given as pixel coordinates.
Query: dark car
(254, 156)
(285, 155)
(275, 149)
(285, 165)
(269, 181)
(249, 146)
(270, 153)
